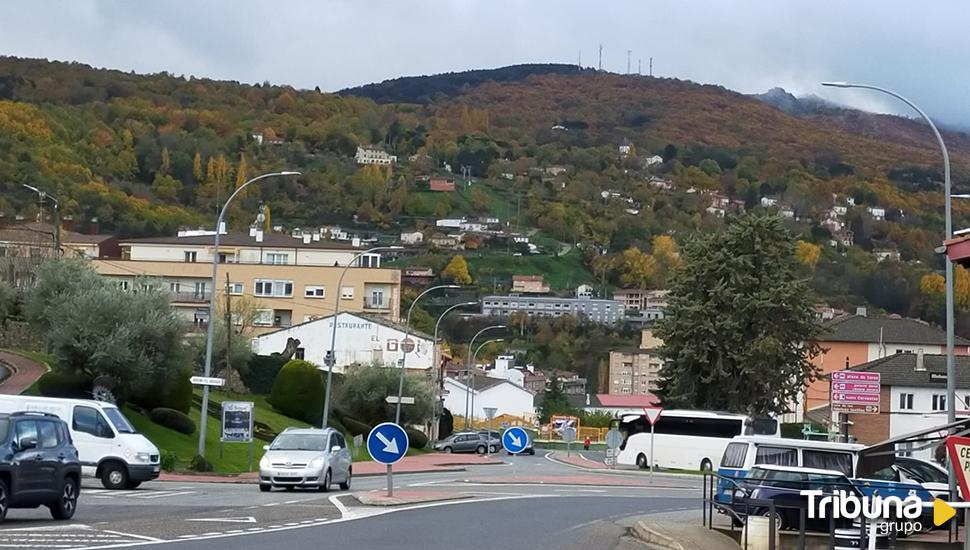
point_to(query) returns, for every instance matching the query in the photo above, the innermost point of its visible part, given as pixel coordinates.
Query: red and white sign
(653, 414)
(858, 398)
(861, 387)
(853, 376)
(959, 450)
(853, 408)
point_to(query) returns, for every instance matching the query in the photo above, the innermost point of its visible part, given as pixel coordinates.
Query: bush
(168, 461)
(65, 384)
(200, 464)
(416, 438)
(298, 391)
(356, 427)
(177, 395)
(262, 372)
(171, 418)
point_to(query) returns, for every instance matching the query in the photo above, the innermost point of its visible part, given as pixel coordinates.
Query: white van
(108, 445)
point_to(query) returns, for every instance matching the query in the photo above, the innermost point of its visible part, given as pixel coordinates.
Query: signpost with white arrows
(515, 440)
(387, 443)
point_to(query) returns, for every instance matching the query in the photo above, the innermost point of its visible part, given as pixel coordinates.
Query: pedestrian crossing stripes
(79, 536)
(138, 494)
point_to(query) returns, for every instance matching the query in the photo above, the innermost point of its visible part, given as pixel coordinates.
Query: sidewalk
(25, 371)
(575, 459)
(426, 463)
(680, 536)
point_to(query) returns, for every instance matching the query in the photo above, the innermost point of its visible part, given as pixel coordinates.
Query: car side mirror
(335, 448)
(27, 444)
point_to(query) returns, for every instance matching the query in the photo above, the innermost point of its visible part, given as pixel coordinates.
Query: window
(26, 429)
(123, 285)
(263, 318)
(236, 289)
(939, 402)
(48, 435)
(315, 291)
(780, 456)
(222, 257)
(88, 420)
(174, 287)
(191, 256)
(369, 260)
(906, 401)
(266, 287)
(276, 258)
(826, 460)
(200, 290)
(347, 293)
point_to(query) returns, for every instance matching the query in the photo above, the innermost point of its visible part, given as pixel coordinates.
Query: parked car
(306, 457)
(39, 464)
(110, 447)
(466, 442)
(933, 477)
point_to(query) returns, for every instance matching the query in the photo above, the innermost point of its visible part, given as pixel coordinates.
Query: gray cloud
(748, 46)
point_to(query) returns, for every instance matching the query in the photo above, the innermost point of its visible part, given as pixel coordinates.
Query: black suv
(38, 464)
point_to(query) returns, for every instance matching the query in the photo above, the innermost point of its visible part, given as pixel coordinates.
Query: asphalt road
(517, 512)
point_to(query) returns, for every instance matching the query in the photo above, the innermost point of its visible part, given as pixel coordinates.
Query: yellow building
(635, 371)
(290, 279)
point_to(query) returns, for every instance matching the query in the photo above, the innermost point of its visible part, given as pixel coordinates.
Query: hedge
(171, 418)
(298, 391)
(261, 373)
(416, 438)
(65, 384)
(178, 395)
(356, 427)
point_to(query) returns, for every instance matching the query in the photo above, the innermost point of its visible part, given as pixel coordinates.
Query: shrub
(298, 391)
(416, 438)
(65, 384)
(262, 372)
(356, 427)
(200, 464)
(171, 418)
(168, 461)
(177, 395)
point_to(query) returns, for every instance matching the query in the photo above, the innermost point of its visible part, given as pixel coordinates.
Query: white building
(373, 155)
(883, 254)
(504, 368)
(584, 291)
(453, 223)
(768, 201)
(507, 397)
(652, 161)
(361, 339)
(412, 237)
(877, 212)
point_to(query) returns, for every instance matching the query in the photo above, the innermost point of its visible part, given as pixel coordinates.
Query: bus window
(734, 455)
(827, 460)
(761, 426)
(779, 456)
(701, 427)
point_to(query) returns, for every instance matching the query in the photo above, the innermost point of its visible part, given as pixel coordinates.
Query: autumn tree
(197, 167)
(666, 257)
(457, 271)
(739, 329)
(808, 253)
(479, 200)
(636, 268)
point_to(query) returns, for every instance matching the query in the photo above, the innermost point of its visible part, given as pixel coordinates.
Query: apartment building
(597, 311)
(23, 246)
(291, 279)
(636, 371)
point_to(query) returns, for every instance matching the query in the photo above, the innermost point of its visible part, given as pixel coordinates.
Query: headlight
(264, 462)
(143, 457)
(740, 493)
(316, 463)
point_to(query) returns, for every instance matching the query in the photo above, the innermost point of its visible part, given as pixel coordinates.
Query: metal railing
(376, 304)
(191, 297)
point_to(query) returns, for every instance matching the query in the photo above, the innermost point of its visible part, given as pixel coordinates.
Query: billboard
(237, 421)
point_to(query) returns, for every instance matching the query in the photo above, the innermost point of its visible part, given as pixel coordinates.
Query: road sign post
(853, 392)
(489, 414)
(387, 443)
(653, 415)
(515, 440)
(613, 440)
(568, 435)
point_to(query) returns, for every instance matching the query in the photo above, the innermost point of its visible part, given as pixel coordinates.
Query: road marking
(246, 519)
(175, 494)
(335, 500)
(580, 490)
(132, 535)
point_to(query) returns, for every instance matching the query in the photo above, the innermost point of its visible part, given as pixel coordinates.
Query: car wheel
(66, 504)
(780, 523)
(325, 486)
(642, 461)
(345, 486)
(532, 452)
(493, 449)
(133, 485)
(114, 475)
(3, 500)
(265, 488)
(446, 450)
(480, 450)
(706, 465)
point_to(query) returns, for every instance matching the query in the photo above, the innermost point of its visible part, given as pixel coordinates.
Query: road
(529, 502)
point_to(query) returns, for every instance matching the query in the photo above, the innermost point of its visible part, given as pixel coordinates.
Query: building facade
(507, 397)
(530, 284)
(606, 312)
(24, 246)
(373, 155)
(636, 371)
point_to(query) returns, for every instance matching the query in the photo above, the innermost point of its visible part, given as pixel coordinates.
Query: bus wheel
(706, 465)
(642, 461)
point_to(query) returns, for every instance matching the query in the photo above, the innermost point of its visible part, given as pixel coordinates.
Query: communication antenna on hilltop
(628, 52)
(580, 63)
(639, 72)
(601, 57)
(651, 66)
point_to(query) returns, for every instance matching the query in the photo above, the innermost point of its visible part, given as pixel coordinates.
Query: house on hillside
(883, 254)
(412, 238)
(441, 184)
(530, 284)
(652, 161)
(369, 154)
(767, 202)
(877, 212)
(507, 397)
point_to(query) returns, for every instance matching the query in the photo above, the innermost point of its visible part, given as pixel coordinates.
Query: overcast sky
(746, 45)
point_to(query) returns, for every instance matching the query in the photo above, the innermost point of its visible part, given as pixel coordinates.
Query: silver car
(306, 457)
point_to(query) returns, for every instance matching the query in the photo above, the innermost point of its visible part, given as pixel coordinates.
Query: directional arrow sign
(515, 440)
(387, 443)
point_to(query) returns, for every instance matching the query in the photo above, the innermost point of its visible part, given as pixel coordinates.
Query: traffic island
(406, 497)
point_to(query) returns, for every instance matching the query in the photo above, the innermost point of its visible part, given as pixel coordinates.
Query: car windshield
(299, 442)
(4, 426)
(924, 473)
(119, 421)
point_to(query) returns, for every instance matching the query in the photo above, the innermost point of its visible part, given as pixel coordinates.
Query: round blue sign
(387, 443)
(515, 440)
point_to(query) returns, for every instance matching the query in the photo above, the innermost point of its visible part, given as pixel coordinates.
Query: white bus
(686, 440)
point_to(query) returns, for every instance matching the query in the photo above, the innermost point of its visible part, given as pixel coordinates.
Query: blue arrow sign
(387, 443)
(515, 440)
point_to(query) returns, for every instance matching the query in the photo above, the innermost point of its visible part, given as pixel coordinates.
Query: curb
(428, 471)
(393, 501)
(658, 540)
(621, 472)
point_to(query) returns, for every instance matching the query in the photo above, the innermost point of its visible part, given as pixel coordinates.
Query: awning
(883, 454)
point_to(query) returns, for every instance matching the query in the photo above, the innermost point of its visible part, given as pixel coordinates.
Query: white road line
(132, 535)
(335, 500)
(166, 495)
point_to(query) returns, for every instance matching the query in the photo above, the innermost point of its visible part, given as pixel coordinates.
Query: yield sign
(959, 451)
(653, 414)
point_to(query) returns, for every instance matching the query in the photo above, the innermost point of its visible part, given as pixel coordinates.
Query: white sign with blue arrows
(387, 443)
(515, 440)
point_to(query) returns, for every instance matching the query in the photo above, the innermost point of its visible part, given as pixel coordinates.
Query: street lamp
(436, 369)
(406, 347)
(474, 356)
(468, 366)
(212, 302)
(331, 359)
(57, 215)
(951, 411)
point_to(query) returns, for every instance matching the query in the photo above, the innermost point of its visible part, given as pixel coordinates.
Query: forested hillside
(605, 161)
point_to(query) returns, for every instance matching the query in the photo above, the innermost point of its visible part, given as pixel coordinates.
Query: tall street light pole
(436, 369)
(212, 302)
(474, 357)
(331, 359)
(57, 215)
(951, 409)
(468, 365)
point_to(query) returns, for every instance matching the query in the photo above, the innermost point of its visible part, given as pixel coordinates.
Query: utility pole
(228, 330)
(628, 52)
(651, 66)
(639, 71)
(601, 57)
(580, 63)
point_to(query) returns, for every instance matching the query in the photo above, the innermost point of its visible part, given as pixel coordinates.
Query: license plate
(157, 469)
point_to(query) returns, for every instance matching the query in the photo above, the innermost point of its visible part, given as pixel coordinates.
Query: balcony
(371, 304)
(190, 297)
